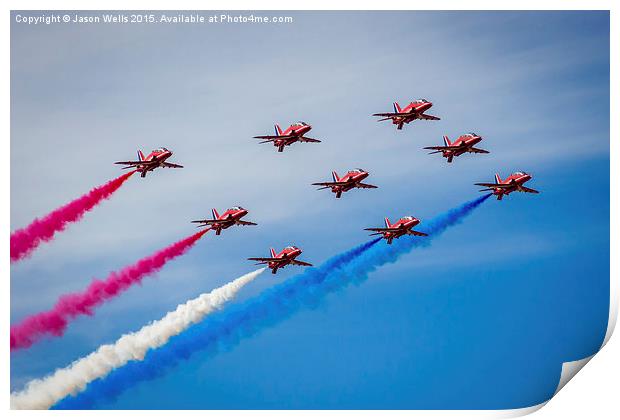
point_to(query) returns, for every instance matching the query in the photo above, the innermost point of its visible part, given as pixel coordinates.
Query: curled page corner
(570, 369)
(613, 313)
(519, 412)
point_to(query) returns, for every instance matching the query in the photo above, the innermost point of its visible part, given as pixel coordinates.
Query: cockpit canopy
(161, 150)
(291, 248)
(408, 218)
(472, 134)
(236, 208)
(301, 123)
(358, 170)
(520, 173)
(421, 100)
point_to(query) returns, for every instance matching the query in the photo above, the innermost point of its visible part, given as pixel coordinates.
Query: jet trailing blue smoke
(225, 329)
(384, 253)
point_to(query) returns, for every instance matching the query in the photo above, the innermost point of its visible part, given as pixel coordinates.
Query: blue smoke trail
(225, 329)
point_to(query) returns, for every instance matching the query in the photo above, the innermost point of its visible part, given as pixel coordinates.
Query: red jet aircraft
(352, 179)
(229, 218)
(393, 231)
(294, 133)
(463, 144)
(413, 111)
(513, 183)
(156, 159)
(283, 258)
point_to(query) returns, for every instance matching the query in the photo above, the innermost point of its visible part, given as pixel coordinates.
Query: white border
(598, 380)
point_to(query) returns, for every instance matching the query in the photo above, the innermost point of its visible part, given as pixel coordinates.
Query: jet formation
(297, 132)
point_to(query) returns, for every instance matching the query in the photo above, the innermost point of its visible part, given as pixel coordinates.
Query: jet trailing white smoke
(44, 393)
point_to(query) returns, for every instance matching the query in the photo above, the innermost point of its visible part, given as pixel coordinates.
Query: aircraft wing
(428, 117)
(202, 224)
(475, 150)
(362, 185)
(309, 140)
(392, 114)
(529, 190)
(483, 184)
(267, 137)
(381, 230)
(129, 162)
(303, 263)
(170, 165)
(205, 221)
(416, 233)
(272, 138)
(267, 260)
(329, 184)
(244, 223)
(441, 148)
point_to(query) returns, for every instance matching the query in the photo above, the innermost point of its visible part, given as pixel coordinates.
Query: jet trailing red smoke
(69, 306)
(24, 241)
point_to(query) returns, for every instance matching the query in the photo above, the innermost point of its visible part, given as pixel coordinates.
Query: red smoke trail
(24, 241)
(69, 306)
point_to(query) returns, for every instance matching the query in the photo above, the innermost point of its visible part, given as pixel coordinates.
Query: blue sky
(482, 319)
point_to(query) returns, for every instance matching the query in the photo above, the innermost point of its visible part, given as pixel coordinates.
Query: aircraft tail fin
(446, 141)
(397, 107)
(498, 180)
(215, 214)
(387, 222)
(335, 176)
(140, 155)
(273, 253)
(277, 129)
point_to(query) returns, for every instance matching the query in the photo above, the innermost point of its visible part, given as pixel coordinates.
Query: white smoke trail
(44, 393)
